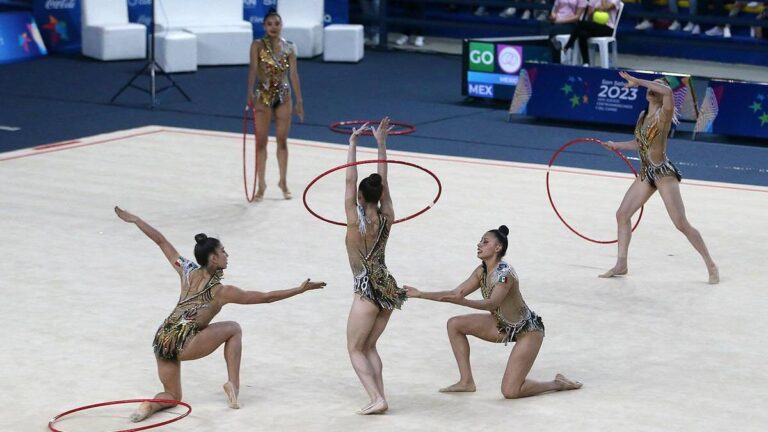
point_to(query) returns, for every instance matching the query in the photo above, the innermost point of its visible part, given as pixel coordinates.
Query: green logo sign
(481, 57)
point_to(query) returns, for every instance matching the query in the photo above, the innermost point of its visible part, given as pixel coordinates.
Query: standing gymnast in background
(509, 320)
(657, 172)
(187, 333)
(273, 60)
(370, 214)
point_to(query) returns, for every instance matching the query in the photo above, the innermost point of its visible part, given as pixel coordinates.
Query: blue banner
(254, 11)
(735, 108)
(59, 22)
(336, 12)
(19, 37)
(140, 11)
(589, 94)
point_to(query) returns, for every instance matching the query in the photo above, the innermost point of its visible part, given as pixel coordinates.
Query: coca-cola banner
(59, 24)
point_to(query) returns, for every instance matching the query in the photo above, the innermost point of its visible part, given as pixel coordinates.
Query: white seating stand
(343, 43)
(107, 34)
(608, 56)
(574, 57)
(176, 51)
(303, 25)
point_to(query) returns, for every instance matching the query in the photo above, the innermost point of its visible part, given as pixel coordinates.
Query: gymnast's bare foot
(286, 193)
(459, 387)
(377, 407)
(614, 272)
(259, 193)
(714, 275)
(142, 412)
(232, 393)
(566, 384)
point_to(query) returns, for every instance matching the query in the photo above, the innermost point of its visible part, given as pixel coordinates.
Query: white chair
(107, 34)
(608, 56)
(574, 57)
(223, 36)
(343, 43)
(176, 51)
(303, 25)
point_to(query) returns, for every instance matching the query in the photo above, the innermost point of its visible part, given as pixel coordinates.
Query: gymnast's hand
(451, 298)
(631, 81)
(309, 285)
(381, 132)
(412, 292)
(126, 216)
(610, 145)
(356, 133)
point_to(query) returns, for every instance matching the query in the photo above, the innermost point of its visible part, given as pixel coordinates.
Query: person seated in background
(411, 34)
(648, 5)
(563, 18)
(725, 31)
(602, 18)
(510, 12)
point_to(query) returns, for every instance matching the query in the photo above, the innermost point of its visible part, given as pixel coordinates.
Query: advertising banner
(59, 23)
(735, 108)
(19, 37)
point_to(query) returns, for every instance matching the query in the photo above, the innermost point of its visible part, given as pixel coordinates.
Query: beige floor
(83, 293)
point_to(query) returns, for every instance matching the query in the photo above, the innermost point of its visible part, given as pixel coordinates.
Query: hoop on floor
(163, 423)
(345, 127)
(316, 179)
(250, 197)
(552, 202)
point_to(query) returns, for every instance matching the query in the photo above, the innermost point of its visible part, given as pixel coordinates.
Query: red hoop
(552, 203)
(87, 407)
(437, 197)
(340, 127)
(252, 195)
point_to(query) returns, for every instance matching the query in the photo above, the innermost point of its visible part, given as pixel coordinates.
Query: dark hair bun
(375, 180)
(201, 238)
(504, 230)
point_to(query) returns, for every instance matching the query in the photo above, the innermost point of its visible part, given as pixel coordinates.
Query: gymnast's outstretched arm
(168, 250)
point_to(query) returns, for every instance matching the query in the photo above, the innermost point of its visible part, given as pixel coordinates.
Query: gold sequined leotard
(374, 282)
(182, 325)
(274, 89)
(528, 320)
(650, 136)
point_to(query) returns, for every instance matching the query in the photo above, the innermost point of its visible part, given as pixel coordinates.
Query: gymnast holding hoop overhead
(657, 172)
(187, 333)
(370, 214)
(506, 319)
(273, 61)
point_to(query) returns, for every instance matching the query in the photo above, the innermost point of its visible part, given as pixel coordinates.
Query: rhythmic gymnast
(273, 61)
(657, 172)
(509, 320)
(370, 214)
(187, 333)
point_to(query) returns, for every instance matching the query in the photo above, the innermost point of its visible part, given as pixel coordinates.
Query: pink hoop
(250, 197)
(437, 197)
(87, 407)
(339, 127)
(552, 202)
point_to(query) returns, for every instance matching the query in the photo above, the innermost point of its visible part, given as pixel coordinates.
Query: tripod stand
(154, 69)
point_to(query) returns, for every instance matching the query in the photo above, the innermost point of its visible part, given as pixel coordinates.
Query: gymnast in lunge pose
(370, 215)
(509, 320)
(657, 172)
(187, 333)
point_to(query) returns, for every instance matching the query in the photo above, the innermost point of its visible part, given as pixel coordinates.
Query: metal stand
(154, 69)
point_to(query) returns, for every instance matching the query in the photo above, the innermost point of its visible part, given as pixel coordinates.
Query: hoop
(87, 407)
(315, 180)
(552, 202)
(250, 197)
(345, 127)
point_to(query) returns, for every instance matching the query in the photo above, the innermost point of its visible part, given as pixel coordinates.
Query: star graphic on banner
(763, 119)
(24, 41)
(567, 88)
(585, 99)
(58, 29)
(756, 106)
(574, 101)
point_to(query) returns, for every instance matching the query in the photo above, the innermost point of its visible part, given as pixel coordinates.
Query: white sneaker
(418, 41)
(714, 31)
(675, 26)
(696, 29)
(508, 12)
(752, 32)
(585, 65)
(644, 25)
(727, 31)
(526, 15)
(753, 4)
(688, 27)
(542, 16)
(401, 40)
(480, 11)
